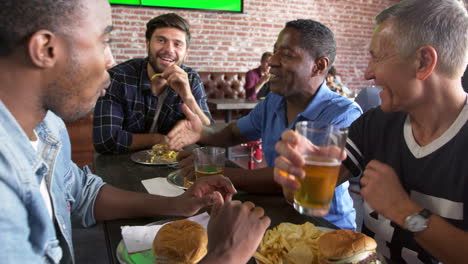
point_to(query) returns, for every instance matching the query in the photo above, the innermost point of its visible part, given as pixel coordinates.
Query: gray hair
(442, 24)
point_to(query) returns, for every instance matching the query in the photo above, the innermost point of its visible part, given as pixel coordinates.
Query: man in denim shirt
(144, 99)
(53, 61)
(304, 51)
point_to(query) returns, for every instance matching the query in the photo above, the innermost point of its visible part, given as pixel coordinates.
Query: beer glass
(322, 154)
(208, 161)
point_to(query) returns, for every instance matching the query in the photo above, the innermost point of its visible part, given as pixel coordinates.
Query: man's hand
(234, 232)
(382, 190)
(177, 79)
(265, 77)
(186, 167)
(289, 163)
(203, 193)
(292, 149)
(185, 132)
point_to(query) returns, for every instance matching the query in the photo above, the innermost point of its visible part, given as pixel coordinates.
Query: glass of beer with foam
(208, 161)
(322, 154)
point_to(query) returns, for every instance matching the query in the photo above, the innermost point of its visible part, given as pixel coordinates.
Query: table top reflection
(121, 172)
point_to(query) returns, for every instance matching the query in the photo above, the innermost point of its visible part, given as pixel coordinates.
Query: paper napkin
(160, 186)
(140, 238)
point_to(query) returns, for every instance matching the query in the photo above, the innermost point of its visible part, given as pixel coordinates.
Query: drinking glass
(322, 154)
(208, 161)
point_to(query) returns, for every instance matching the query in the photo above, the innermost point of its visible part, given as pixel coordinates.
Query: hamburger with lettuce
(347, 247)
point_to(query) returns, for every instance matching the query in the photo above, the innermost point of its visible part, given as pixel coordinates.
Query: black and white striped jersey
(435, 176)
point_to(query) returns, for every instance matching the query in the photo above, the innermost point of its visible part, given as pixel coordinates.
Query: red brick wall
(235, 41)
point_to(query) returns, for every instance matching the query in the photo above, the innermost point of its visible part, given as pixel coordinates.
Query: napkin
(140, 238)
(160, 186)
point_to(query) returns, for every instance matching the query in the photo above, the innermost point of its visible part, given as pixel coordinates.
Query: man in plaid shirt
(144, 99)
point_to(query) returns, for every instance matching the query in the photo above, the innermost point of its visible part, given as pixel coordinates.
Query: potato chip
(289, 243)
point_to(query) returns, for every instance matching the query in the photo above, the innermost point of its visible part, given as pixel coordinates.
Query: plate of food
(289, 243)
(170, 243)
(177, 179)
(158, 155)
(144, 257)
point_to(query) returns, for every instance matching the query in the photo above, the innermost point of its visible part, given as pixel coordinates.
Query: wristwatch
(417, 222)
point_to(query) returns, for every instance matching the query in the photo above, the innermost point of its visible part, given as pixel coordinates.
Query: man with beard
(303, 53)
(54, 56)
(145, 96)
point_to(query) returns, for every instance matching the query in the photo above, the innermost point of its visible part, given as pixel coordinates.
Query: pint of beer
(322, 167)
(208, 161)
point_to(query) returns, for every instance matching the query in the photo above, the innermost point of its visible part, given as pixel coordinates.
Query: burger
(347, 247)
(180, 242)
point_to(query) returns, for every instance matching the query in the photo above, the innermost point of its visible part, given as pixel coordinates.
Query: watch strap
(426, 213)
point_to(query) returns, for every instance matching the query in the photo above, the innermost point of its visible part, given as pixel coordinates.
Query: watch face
(416, 223)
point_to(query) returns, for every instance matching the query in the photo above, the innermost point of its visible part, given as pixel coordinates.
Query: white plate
(176, 179)
(143, 257)
(144, 157)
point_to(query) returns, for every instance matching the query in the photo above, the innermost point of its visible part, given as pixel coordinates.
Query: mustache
(168, 55)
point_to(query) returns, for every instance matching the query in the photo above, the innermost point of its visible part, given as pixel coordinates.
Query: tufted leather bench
(224, 85)
(217, 85)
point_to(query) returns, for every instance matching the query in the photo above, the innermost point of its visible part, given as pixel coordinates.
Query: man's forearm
(113, 203)
(195, 108)
(144, 141)
(259, 85)
(444, 241)
(253, 181)
(221, 135)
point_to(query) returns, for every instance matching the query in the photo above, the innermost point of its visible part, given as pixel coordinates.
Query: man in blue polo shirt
(304, 51)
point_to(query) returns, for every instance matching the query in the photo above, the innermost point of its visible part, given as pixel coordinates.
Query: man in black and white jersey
(411, 151)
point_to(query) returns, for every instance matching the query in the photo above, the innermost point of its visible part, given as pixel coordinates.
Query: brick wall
(235, 41)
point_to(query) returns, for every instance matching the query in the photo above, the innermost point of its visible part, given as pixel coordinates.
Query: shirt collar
(316, 106)
(312, 111)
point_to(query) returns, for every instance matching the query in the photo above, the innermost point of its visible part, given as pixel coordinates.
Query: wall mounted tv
(215, 5)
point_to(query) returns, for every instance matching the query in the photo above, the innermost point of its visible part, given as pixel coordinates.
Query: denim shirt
(268, 121)
(27, 233)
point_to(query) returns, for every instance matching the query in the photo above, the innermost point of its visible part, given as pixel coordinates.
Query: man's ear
(147, 44)
(321, 65)
(426, 61)
(42, 47)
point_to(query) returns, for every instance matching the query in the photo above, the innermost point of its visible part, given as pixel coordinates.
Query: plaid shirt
(129, 106)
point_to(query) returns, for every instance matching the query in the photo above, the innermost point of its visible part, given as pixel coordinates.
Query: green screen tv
(215, 5)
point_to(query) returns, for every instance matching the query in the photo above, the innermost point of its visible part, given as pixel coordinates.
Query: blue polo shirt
(268, 121)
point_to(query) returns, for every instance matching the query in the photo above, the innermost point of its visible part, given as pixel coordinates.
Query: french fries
(289, 243)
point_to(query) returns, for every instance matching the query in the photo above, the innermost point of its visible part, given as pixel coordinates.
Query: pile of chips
(160, 153)
(289, 243)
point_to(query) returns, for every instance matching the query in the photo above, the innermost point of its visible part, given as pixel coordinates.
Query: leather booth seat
(217, 85)
(224, 85)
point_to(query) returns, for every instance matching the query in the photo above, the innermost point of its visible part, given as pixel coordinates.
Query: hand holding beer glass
(208, 161)
(322, 166)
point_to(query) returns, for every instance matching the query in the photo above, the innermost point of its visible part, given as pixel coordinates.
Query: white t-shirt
(43, 186)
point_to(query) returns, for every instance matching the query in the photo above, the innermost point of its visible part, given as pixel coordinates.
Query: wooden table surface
(233, 104)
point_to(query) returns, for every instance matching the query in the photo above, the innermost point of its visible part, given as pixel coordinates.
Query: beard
(64, 95)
